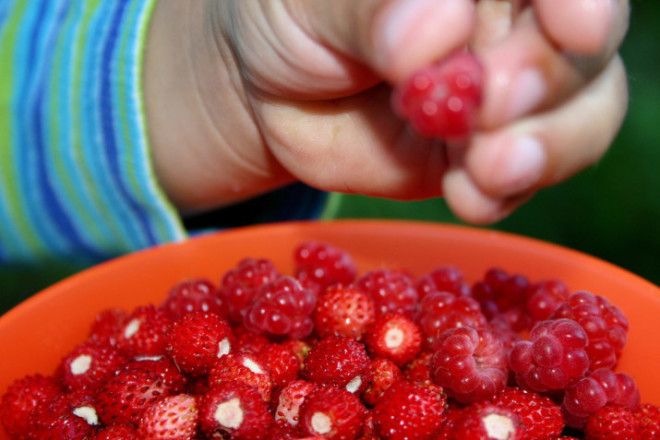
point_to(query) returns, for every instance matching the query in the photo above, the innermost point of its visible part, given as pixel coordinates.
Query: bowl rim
(544, 246)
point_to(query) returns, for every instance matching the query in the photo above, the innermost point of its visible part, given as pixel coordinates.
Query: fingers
(585, 27)
(349, 146)
(393, 37)
(543, 61)
(550, 147)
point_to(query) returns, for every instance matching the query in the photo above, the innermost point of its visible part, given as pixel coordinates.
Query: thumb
(394, 37)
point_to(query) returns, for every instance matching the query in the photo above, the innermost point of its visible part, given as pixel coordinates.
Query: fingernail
(519, 166)
(527, 92)
(400, 18)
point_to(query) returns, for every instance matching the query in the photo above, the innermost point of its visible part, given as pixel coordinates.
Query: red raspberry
(408, 411)
(611, 423)
(502, 327)
(382, 374)
(539, 416)
(145, 332)
(488, 421)
(544, 298)
(243, 368)
(125, 396)
(88, 365)
(553, 358)
(107, 325)
(281, 364)
(240, 284)
(174, 417)
(499, 292)
(194, 295)
(441, 311)
(391, 291)
(234, 410)
(647, 421)
(67, 416)
(593, 392)
(442, 100)
(337, 361)
(197, 340)
(22, 400)
(343, 311)
(443, 279)
(331, 413)
(470, 364)
(605, 324)
(281, 308)
(419, 370)
(323, 264)
(394, 337)
(290, 399)
(117, 432)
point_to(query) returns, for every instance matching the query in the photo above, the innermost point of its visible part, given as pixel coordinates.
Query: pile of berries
(327, 353)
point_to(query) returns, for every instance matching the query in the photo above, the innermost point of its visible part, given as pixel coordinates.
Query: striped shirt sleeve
(76, 178)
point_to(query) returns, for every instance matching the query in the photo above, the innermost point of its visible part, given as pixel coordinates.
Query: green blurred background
(611, 210)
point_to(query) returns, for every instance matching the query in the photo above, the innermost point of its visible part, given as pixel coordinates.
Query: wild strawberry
(586, 396)
(470, 364)
(117, 432)
(88, 365)
(391, 291)
(553, 358)
(394, 337)
(442, 100)
(452, 415)
(281, 308)
(22, 400)
(162, 367)
(234, 410)
(281, 364)
(604, 324)
(194, 295)
(323, 264)
(544, 298)
(382, 374)
(647, 421)
(489, 422)
(337, 361)
(244, 368)
(196, 340)
(240, 284)
(144, 332)
(299, 348)
(408, 411)
(611, 423)
(68, 416)
(343, 311)
(540, 417)
(290, 399)
(248, 342)
(443, 279)
(368, 428)
(174, 417)
(107, 325)
(419, 370)
(441, 311)
(125, 396)
(331, 413)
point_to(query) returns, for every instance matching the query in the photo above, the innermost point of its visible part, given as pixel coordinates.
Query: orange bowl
(37, 333)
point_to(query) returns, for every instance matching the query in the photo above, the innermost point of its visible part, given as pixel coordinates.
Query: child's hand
(245, 95)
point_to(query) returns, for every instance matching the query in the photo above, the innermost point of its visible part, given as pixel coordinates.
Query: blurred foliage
(612, 210)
